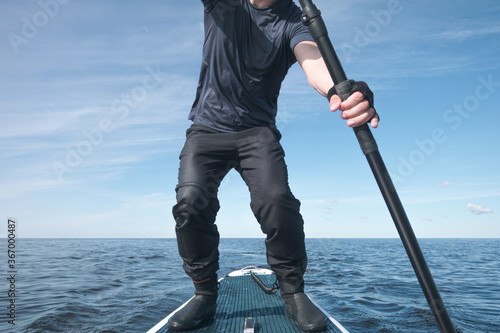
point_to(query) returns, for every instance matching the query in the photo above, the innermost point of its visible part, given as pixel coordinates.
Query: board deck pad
(239, 298)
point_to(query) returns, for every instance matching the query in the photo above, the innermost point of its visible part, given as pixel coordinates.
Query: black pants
(257, 155)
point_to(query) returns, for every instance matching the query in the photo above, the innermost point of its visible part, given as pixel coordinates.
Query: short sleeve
(298, 32)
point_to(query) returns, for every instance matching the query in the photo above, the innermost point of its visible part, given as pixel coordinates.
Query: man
(249, 47)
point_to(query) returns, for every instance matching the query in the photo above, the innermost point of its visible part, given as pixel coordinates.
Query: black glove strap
(347, 88)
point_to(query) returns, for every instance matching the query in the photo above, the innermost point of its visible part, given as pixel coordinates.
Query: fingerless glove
(346, 88)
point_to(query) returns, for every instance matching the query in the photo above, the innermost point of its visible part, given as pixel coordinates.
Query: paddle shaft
(312, 18)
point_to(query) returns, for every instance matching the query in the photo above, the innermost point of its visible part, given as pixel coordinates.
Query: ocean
(128, 285)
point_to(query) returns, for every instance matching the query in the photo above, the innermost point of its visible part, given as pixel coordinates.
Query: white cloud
(478, 210)
(444, 184)
(460, 35)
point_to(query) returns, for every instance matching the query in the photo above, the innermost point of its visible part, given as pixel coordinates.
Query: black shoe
(200, 309)
(306, 315)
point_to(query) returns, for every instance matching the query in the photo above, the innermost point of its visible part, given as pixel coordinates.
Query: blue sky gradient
(95, 97)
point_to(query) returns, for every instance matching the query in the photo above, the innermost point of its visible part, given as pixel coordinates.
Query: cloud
(444, 184)
(332, 201)
(478, 210)
(461, 35)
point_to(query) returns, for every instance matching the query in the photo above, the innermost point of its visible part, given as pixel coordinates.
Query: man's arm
(356, 109)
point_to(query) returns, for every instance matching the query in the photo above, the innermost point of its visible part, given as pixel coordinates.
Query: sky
(95, 97)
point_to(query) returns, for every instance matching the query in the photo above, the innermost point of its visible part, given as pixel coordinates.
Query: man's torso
(246, 55)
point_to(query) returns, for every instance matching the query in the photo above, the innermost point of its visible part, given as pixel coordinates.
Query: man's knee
(193, 200)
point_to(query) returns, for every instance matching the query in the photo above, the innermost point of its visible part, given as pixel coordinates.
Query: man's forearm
(314, 67)
(319, 77)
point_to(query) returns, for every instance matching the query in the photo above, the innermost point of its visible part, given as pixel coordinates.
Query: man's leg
(203, 165)
(263, 168)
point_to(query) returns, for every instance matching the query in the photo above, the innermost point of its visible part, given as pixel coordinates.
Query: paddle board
(243, 306)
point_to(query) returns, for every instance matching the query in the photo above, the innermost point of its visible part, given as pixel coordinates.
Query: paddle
(311, 17)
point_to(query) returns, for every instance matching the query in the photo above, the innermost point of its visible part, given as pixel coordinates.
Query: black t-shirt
(246, 55)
